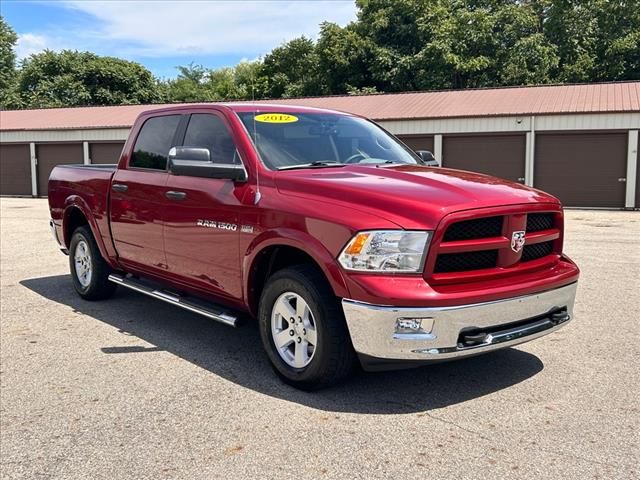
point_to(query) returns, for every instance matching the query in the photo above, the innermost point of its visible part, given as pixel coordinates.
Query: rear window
(154, 142)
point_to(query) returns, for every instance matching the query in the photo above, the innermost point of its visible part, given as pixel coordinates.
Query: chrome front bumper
(399, 333)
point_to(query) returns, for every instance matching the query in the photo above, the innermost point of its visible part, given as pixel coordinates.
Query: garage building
(578, 142)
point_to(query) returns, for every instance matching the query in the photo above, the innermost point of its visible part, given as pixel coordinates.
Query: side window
(209, 131)
(153, 142)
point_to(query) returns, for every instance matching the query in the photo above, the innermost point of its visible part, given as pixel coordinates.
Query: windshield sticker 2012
(276, 118)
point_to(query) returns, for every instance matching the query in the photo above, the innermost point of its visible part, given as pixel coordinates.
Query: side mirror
(428, 158)
(196, 162)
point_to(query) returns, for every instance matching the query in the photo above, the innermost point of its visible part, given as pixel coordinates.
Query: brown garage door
(101, 153)
(418, 142)
(51, 154)
(15, 169)
(499, 155)
(582, 169)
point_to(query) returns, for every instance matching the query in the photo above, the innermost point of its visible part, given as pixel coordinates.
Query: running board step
(208, 310)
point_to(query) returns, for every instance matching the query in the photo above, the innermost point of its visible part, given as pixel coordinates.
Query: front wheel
(89, 271)
(303, 329)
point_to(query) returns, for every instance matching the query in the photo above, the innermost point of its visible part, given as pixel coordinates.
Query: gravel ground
(133, 388)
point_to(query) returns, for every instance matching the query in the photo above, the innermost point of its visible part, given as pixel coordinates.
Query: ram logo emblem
(517, 240)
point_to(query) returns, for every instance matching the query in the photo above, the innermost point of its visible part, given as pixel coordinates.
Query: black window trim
(173, 142)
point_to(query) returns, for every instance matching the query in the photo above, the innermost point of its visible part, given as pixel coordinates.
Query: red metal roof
(538, 100)
(72, 118)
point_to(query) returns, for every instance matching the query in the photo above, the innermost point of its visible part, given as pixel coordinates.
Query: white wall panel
(458, 125)
(64, 135)
(604, 121)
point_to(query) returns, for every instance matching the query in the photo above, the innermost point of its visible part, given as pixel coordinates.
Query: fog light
(411, 324)
(406, 325)
(414, 329)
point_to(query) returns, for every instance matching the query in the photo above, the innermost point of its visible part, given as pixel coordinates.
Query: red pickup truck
(338, 239)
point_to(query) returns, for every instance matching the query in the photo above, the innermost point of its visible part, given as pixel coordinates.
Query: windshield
(307, 140)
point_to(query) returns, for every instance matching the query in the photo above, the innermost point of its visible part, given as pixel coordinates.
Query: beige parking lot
(132, 388)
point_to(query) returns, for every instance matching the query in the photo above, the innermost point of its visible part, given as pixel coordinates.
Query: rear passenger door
(201, 218)
(138, 197)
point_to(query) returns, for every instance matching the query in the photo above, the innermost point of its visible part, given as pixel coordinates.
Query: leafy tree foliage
(70, 78)
(8, 39)
(393, 45)
(292, 70)
(435, 44)
(597, 40)
(347, 59)
(196, 83)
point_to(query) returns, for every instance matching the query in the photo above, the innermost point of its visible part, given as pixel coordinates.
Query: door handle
(119, 187)
(173, 195)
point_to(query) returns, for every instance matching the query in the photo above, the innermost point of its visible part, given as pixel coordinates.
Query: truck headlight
(386, 251)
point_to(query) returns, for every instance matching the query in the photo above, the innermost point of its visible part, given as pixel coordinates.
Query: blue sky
(164, 34)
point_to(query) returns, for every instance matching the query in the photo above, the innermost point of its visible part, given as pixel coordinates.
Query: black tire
(334, 358)
(98, 287)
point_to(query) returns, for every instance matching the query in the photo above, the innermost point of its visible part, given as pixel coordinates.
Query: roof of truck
(248, 107)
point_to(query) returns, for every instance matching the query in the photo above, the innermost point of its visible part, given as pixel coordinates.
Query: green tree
(572, 27)
(292, 70)
(190, 85)
(198, 84)
(347, 59)
(8, 39)
(617, 49)
(393, 45)
(597, 40)
(69, 78)
(523, 54)
(250, 80)
(434, 44)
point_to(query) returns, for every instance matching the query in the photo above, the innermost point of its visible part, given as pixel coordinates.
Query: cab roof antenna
(258, 195)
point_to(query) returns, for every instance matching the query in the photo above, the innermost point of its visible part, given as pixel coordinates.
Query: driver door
(201, 231)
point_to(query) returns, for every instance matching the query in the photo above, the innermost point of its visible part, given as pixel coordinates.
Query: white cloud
(30, 43)
(159, 29)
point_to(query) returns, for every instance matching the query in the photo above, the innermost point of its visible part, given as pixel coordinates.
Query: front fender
(296, 239)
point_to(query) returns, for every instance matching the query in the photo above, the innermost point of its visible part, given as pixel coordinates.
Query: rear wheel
(89, 271)
(303, 329)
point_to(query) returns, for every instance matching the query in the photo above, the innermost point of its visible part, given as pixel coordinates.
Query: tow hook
(473, 339)
(560, 317)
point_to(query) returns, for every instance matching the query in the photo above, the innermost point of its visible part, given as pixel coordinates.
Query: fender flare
(296, 239)
(76, 202)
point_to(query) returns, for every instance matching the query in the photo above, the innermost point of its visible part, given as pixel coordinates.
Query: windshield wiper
(319, 164)
(389, 163)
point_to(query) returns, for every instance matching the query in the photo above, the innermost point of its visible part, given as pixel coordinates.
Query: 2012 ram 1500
(322, 226)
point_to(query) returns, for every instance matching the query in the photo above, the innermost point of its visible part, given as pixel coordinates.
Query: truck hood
(411, 196)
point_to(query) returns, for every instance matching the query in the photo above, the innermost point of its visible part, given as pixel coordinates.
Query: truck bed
(89, 179)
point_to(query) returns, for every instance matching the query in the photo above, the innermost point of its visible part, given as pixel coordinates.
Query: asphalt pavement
(134, 388)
